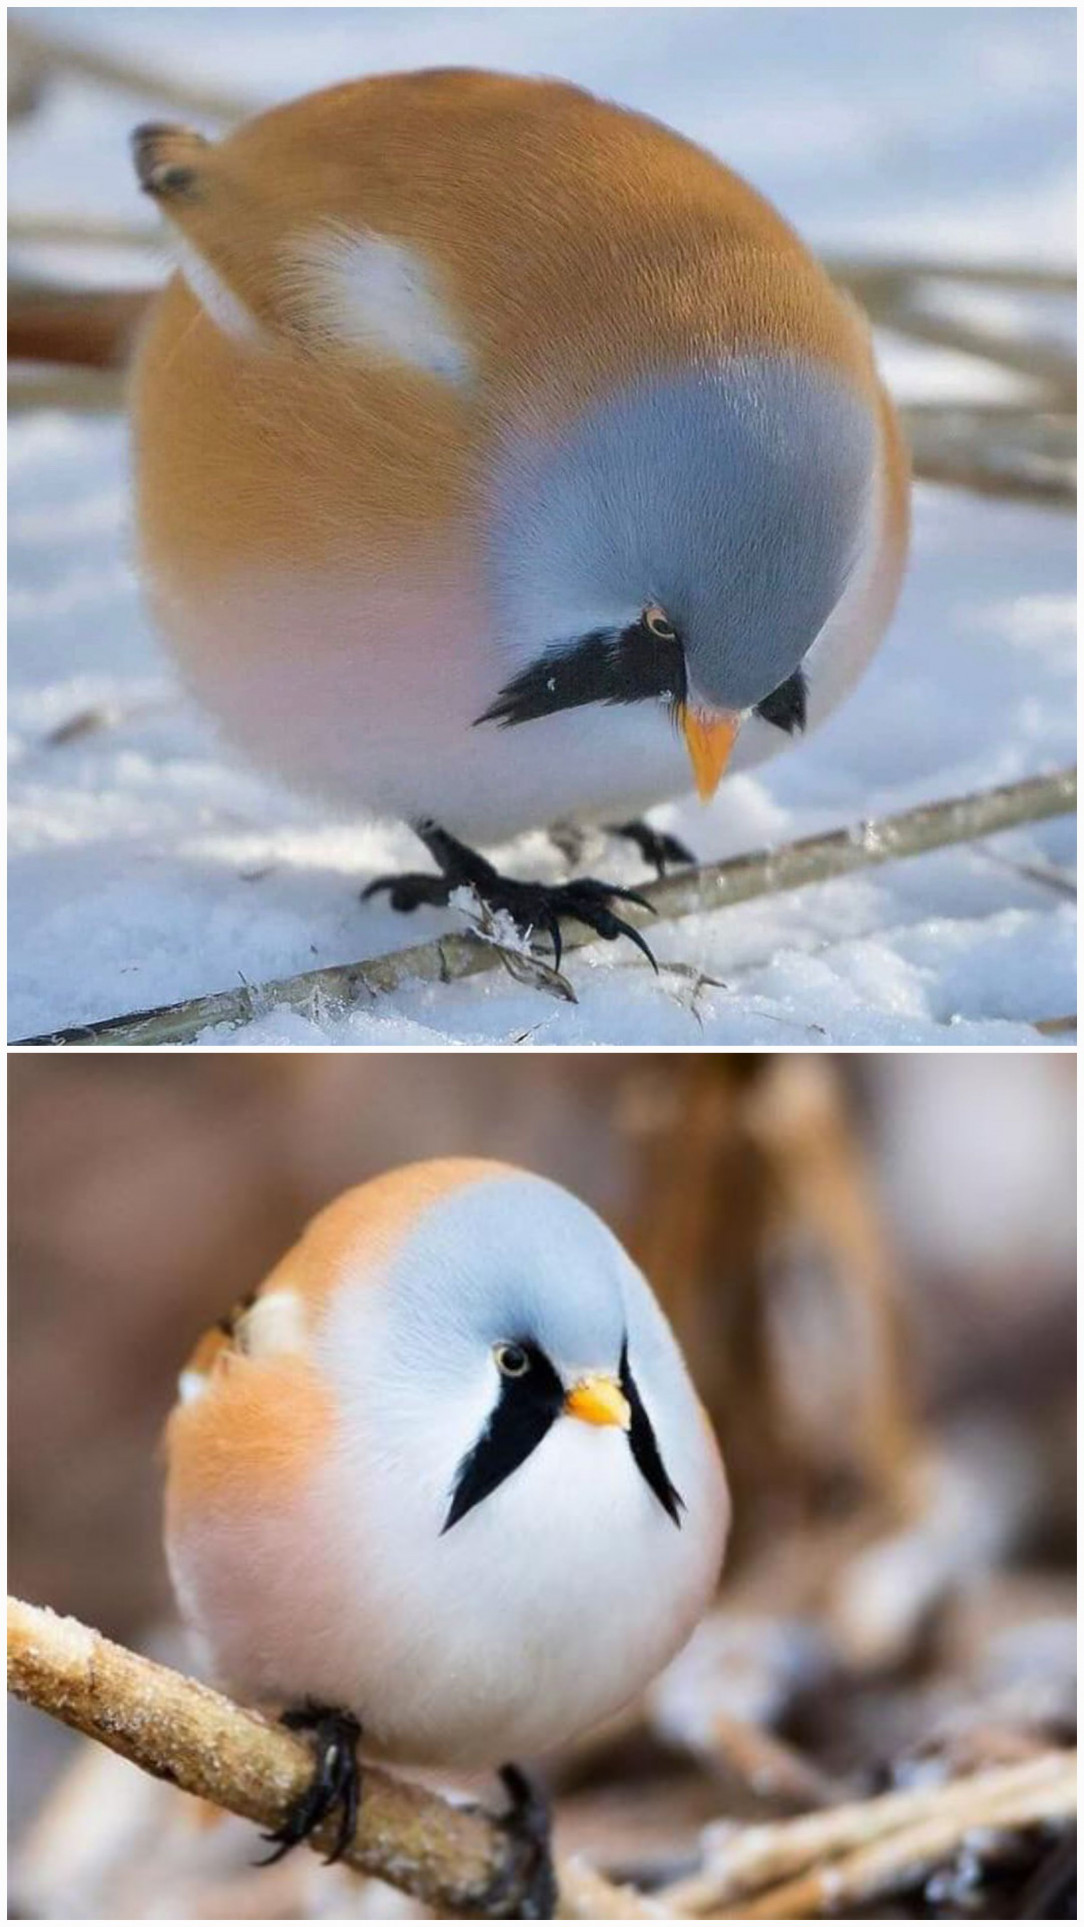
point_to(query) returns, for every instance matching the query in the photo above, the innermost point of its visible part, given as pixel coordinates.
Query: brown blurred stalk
(84, 328)
(748, 1166)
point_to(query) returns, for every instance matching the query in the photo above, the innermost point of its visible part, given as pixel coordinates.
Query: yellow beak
(600, 1401)
(709, 741)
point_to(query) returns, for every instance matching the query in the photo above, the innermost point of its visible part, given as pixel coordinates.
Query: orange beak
(600, 1401)
(709, 740)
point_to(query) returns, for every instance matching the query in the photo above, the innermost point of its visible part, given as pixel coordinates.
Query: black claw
(336, 1781)
(621, 929)
(348, 1820)
(553, 925)
(529, 1883)
(604, 891)
(531, 906)
(656, 847)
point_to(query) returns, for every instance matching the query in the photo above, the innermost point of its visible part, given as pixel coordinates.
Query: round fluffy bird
(501, 455)
(443, 1482)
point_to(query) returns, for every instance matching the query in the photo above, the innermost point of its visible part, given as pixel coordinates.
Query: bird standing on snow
(443, 1482)
(500, 456)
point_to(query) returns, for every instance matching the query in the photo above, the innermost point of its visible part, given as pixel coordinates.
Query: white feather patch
(379, 294)
(190, 1386)
(212, 293)
(275, 1323)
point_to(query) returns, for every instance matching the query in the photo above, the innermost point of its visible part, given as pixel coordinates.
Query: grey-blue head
(731, 500)
(511, 1306)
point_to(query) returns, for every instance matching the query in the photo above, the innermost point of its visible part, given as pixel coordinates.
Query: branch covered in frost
(455, 1859)
(320, 994)
(458, 1861)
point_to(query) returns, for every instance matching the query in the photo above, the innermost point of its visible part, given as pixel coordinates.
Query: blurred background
(870, 1264)
(842, 118)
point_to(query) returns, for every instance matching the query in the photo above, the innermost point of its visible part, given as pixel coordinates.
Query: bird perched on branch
(501, 456)
(442, 1489)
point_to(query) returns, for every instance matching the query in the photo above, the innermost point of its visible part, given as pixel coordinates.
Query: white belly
(365, 693)
(542, 1612)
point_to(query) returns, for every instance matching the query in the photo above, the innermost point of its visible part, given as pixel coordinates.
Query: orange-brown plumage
(318, 1533)
(261, 1416)
(231, 1449)
(549, 215)
(463, 372)
(354, 1237)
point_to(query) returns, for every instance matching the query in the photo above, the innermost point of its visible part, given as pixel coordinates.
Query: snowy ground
(147, 865)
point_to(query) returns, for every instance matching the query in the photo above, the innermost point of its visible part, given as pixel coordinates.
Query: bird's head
(516, 1340)
(683, 543)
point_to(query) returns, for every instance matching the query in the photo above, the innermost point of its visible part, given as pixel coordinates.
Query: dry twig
(455, 1859)
(82, 391)
(130, 76)
(849, 1855)
(1009, 451)
(866, 275)
(84, 327)
(814, 859)
(1029, 355)
(81, 231)
(866, 278)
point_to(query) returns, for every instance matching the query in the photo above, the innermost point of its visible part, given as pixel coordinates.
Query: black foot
(411, 890)
(531, 906)
(655, 846)
(336, 1781)
(570, 840)
(528, 1885)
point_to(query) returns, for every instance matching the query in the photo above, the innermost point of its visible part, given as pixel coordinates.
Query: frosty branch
(455, 1859)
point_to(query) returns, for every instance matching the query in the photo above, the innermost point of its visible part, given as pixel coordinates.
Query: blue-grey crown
(735, 495)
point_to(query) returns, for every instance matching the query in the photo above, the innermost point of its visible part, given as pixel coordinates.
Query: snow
(149, 865)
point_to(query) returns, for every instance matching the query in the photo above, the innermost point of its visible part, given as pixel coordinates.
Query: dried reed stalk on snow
(816, 859)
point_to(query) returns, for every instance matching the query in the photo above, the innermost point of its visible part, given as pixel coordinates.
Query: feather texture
(346, 526)
(308, 1492)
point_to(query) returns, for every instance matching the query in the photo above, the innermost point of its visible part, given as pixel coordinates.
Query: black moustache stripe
(522, 1416)
(786, 706)
(525, 1410)
(633, 667)
(603, 667)
(645, 1448)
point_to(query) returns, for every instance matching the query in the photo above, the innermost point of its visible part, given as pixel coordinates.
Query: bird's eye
(512, 1360)
(657, 621)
